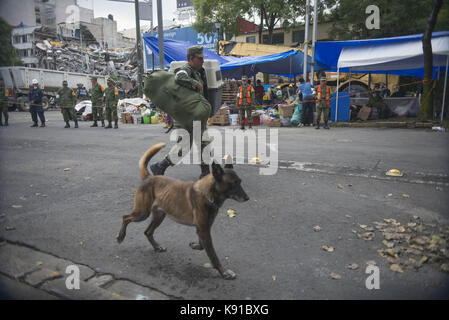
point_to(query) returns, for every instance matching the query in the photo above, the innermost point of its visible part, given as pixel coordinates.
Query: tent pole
(315, 15)
(349, 90)
(338, 84)
(306, 39)
(444, 91)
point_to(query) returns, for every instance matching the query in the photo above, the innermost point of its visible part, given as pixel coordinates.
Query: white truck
(18, 82)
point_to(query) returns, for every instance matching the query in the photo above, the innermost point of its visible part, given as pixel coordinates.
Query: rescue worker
(66, 99)
(323, 100)
(376, 101)
(4, 94)
(35, 96)
(133, 92)
(96, 97)
(110, 99)
(308, 103)
(121, 91)
(192, 76)
(81, 93)
(245, 100)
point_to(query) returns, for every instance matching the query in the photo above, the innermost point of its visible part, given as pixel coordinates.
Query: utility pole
(315, 21)
(139, 49)
(160, 32)
(306, 40)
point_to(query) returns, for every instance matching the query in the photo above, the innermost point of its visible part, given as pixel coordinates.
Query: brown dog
(190, 203)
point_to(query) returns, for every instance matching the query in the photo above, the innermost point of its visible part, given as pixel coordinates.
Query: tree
(427, 105)
(270, 13)
(396, 18)
(8, 55)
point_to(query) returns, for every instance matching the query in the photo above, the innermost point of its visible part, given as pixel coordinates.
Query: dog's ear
(217, 171)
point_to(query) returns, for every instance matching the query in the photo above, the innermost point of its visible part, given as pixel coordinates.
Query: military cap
(64, 82)
(196, 51)
(244, 78)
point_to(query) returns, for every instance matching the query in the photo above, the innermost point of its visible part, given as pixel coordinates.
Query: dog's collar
(211, 201)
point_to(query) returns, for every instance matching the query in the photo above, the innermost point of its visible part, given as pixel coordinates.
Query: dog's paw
(196, 246)
(120, 239)
(160, 249)
(229, 274)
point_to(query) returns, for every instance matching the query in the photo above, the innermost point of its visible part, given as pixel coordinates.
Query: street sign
(146, 11)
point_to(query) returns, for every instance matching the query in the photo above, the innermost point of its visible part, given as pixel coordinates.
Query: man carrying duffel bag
(182, 97)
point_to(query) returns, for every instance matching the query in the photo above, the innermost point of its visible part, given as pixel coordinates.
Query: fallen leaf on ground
(10, 228)
(353, 266)
(39, 263)
(67, 169)
(339, 186)
(388, 244)
(445, 267)
(328, 248)
(348, 216)
(368, 236)
(231, 213)
(411, 224)
(207, 265)
(335, 276)
(405, 195)
(389, 195)
(273, 277)
(16, 206)
(371, 263)
(317, 228)
(396, 267)
(23, 198)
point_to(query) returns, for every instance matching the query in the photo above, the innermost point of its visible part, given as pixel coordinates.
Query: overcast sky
(124, 13)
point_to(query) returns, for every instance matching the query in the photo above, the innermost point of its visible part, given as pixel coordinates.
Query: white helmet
(34, 81)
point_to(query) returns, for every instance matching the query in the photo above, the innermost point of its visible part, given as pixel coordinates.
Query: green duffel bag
(181, 103)
(297, 115)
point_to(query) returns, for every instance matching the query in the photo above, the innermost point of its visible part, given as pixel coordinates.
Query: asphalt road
(270, 244)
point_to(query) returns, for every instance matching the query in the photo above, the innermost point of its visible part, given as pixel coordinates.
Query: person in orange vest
(245, 100)
(323, 101)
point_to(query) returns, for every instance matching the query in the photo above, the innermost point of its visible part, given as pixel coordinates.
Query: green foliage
(8, 56)
(396, 18)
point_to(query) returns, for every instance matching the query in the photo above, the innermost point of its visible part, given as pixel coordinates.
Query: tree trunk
(427, 96)
(261, 24)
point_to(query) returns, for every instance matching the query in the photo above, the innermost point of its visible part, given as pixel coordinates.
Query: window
(278, 38)
(298, 36)
(251, 39)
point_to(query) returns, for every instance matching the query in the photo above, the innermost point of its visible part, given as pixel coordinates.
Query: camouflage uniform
(188, 77)
(66, 99)
(110, 99)
(97, 99)
(3, 104)
(323, 104)
(376, 101)
(242, 102)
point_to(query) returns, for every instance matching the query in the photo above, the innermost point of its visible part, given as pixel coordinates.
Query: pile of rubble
(68, 56)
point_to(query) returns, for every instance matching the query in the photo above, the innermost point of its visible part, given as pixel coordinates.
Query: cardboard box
(286, 110)
(222, 111)
(274, 123)
(364, 113)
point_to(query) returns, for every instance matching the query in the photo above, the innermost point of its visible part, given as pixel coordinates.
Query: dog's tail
(143, 163)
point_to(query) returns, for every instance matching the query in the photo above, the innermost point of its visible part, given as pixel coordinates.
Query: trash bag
(297, 115)
(184, 105)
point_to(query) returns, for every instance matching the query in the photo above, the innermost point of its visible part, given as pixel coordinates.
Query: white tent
(389, 56)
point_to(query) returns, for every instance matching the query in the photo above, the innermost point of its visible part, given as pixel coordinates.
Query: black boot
(242, 128)
(116, 125)
(102, 123)
(6, 123)
(42, 125)
(67, 125)
(1, 124)
(317, 125)
(250, 127)
(76, 124)
(95, 124)
(159, 168)
(326, 126)
(109, 126)
(205, 170)
(34, 125)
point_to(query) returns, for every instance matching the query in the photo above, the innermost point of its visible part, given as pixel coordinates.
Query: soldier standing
(97, 99)
(193, 77)
(245, 100)
(110, 99)
(65, 98)
(323, 103)
(4, 94)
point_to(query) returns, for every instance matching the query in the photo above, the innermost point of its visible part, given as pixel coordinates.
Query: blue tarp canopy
(289, 63)
(396, 55)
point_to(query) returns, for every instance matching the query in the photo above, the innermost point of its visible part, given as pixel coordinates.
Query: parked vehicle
(18, 82)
